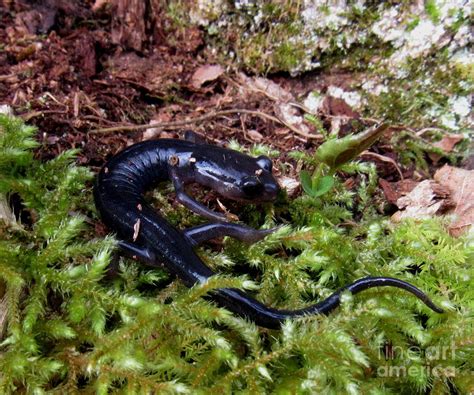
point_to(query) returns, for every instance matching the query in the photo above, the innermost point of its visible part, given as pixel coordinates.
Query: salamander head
(235, 175)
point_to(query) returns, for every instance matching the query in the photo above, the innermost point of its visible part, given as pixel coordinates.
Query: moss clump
(70, 327)
(428, 85)
(432, 10)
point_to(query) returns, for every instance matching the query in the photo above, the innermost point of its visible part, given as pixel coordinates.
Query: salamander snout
(258, 189)
(271, 189)
(252, 187)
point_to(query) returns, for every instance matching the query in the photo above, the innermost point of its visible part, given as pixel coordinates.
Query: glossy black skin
(119, 199)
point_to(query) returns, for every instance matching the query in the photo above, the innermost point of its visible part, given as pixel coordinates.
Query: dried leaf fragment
(427, 199)
(203, 74)
(269, 88)
(289, 184)
(460, 183)
(395, 190)
(6, 214)
(230, 216)
(448, 142)
(450, 193)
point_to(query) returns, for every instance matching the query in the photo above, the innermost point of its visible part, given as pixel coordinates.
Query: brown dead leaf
(203, 74)
(254, 135)
(460, 183)
(164, 115)
(427, 199)
(291, 115)
(283, 107)
(450, 193)
(230, 216)
(269, 88)
(150, 133)
(395, 190)
(448, 142)
(388, 191)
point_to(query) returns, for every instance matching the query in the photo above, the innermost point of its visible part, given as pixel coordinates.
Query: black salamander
(148, 237)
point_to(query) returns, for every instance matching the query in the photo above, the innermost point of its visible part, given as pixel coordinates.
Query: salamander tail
(370, 282)
(242, 304)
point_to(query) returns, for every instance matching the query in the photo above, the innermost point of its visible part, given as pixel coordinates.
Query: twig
(363, 119)
(432, 129)
(100, 119)
(6, 77)
(26, 117)
(202, 118)
(383, 158)
(50, 95)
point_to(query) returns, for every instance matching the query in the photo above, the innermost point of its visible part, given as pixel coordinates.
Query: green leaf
(323, 185)
(315, 187)
(306, 182)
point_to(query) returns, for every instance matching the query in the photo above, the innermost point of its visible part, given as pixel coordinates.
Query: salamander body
(148, 237)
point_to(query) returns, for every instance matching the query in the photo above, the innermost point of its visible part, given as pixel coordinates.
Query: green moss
(428, 85)
(465, 73)
(174, 10)
(414, 23)
(286, 57)
(432, 10)
(358, 59)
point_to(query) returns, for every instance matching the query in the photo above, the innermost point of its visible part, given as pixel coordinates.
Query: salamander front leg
(202, 233)
(138, 252)
(192, 204)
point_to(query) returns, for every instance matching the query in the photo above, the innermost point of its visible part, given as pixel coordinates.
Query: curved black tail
(242, 304)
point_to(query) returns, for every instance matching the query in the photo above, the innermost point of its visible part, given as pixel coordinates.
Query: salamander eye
(264, 162)
(252, 187)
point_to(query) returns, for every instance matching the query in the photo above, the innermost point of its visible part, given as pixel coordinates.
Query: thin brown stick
(202, 118)
(26, 117)
(100, 119)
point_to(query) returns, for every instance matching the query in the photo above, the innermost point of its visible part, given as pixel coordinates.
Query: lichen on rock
(414, 56)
